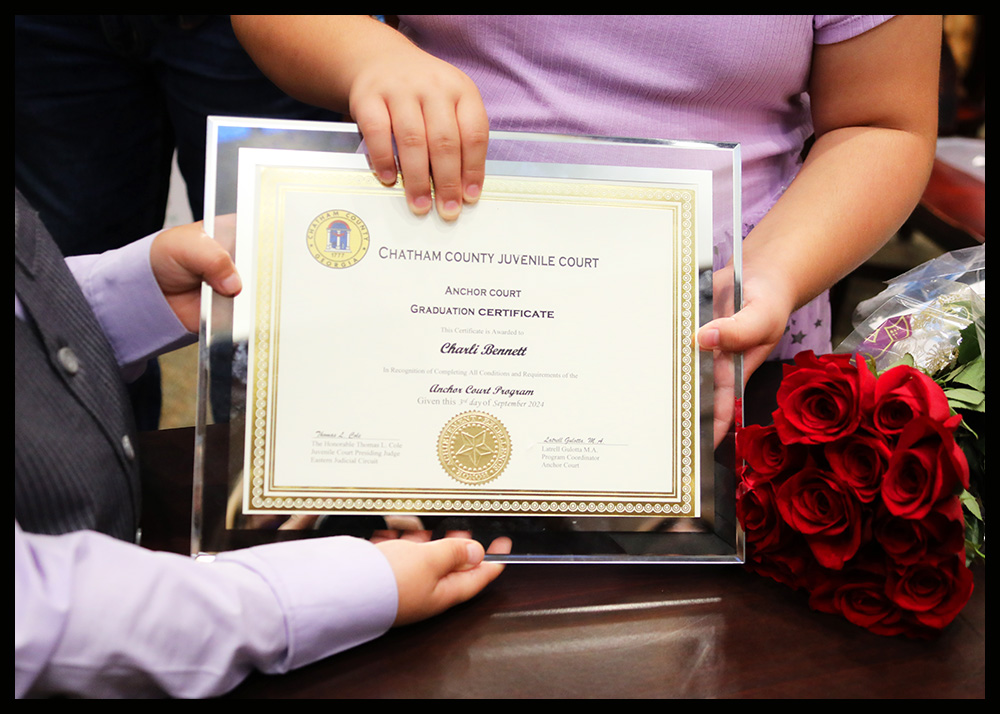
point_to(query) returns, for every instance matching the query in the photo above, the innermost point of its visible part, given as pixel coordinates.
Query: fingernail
(422, 204)
(473, 554)
(709, 339)
(388, 177)
(472, 192)
(231, 284)
(451, 208)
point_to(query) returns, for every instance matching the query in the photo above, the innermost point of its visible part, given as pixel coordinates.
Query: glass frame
(218, 523)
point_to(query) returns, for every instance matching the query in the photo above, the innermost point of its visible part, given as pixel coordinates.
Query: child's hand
(433, 576)
(181, 259)
(437, 117)
(755, 331)
(391, 88)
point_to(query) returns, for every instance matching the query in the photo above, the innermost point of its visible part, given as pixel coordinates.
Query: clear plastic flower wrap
(921, 318)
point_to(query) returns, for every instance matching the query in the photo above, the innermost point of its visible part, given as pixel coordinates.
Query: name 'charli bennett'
(453, 348)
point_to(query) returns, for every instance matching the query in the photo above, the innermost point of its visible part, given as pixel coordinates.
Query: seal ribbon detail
(474, 447)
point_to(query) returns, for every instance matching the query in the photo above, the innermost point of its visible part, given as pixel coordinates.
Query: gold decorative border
(262, 382)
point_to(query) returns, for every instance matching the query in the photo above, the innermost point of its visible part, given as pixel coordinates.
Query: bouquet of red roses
(853, 494)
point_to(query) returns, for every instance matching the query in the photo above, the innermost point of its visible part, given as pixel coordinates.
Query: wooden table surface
(609, 631)
(644, 631)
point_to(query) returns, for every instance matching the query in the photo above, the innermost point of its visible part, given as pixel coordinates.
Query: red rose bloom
(902, 394)
(822, 508)
(757, 512)
(934, 590)
(907, 540)
(860, 597)
(793, 566)
(822, 398)
(926, 466)
(852, 495)
(860, 460)
(764, 452)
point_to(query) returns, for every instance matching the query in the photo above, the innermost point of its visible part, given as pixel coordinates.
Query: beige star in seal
(475, 446)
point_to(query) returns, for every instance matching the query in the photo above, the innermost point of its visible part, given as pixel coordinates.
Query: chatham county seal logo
(474, 447)
(337, 239)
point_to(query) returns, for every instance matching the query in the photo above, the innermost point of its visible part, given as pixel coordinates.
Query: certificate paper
(534, 357)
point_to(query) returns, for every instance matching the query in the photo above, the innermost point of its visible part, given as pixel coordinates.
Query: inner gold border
(275, 183)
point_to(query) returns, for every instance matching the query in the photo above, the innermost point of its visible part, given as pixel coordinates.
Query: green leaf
(971, 504)
(972, 375)
(872, 365)
(968, 349)
(906, 359)
(966, 399)
(966, 408)
(975, 541)
(965, 427)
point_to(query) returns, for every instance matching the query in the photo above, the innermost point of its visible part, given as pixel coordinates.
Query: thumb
(743, 331)
(461, 572)
(450, 555)
(183, 256)
(433, 576)
(213, 263)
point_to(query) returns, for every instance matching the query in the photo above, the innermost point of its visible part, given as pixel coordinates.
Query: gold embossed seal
(337, 238)
(474, 447)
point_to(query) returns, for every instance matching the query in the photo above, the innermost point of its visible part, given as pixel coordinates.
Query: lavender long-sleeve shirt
(95, 616)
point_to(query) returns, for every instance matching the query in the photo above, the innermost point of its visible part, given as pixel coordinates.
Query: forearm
(315, 58)
(405, 101)
(874, 110)
(98, 617)
(855, 189)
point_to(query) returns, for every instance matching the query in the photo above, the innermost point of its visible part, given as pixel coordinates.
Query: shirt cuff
(831, 29)
(123, 292)
(336, 593)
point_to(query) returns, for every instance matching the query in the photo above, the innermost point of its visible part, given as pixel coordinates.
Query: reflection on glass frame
(270, 181)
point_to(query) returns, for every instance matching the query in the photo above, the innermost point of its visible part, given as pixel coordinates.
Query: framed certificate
(528, 370)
